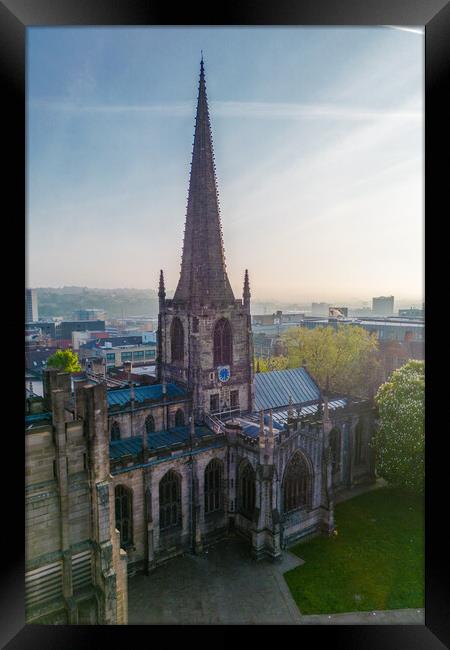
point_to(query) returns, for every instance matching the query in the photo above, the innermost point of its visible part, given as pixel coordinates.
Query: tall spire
(161, 288)
(246, 293)
(203, 275)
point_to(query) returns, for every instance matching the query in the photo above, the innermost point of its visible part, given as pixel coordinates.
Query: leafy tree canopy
(272, 363)
(65, 360)
(400, 440)
(347, 356)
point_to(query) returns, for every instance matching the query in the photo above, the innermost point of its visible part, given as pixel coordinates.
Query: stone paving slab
(383, 617)
(224, 585)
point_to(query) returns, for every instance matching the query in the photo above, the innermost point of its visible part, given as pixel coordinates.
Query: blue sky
(318, 139)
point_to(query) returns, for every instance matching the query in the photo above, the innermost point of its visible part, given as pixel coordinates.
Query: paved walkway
(222, 586)
(384, 617)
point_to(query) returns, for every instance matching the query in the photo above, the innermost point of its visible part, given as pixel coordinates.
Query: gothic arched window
(150, 424)
(296, 484)
(247, 491)
(179, 418)
(170, 501)
(213, 486)
(358, 442)
(124, 514)
(335, 446)
(223, 343)
(177, 340)
(115, 431)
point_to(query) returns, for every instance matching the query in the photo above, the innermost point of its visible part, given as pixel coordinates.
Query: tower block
(204, 332)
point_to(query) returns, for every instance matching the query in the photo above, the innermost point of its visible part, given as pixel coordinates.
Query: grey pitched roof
(273, 389)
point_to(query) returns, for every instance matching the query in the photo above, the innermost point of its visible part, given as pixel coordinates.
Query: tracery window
(170, 501)
(222, 343)
(124, 514)
(247, 491)
(296, 484)
(115, 431)
(358, 443)
(150, 424)
(213, 486)
(335, 446)
(179, 418)
(177, 340)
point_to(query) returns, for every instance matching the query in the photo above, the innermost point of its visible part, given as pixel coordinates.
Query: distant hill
(117, 303)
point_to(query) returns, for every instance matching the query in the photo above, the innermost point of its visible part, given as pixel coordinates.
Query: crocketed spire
(203, 277)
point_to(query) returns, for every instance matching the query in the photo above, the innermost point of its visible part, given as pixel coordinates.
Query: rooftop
(250, 422)
(275, 388)
(156, 441)
(120, 397)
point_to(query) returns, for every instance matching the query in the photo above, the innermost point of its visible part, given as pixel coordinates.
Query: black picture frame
(15, 17)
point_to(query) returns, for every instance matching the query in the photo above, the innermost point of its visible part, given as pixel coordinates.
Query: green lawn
(375, 562)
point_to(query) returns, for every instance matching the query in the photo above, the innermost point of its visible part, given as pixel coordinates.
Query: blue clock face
(223, 373)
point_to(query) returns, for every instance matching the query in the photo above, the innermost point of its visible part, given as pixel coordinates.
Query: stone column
(327, 472)
(148, 520)
(266, 531)
(105, 541)
(62, 464)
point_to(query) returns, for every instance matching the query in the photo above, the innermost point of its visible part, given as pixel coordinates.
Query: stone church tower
(204, 333)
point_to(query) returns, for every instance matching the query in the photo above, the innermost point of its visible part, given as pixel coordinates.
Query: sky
(318, 140)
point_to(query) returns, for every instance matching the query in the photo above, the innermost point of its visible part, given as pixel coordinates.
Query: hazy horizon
(318, 139)
(349, 301)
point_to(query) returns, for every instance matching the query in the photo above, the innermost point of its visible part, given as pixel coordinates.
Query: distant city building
(338, 312)
(319, 308)
(115, 354)
(360, 311)
(80, 338)
(385, 330)
(383, 306)
(278, 318)
(411, 313)
(89, 314)
(66, 328)
(31, 305)
(47, 329)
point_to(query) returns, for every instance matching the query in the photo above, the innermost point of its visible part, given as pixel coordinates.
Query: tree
(345, 356)
(64, 360)
(399, 442)
(272, 363)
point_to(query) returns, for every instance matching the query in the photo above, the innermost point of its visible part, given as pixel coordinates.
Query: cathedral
(118, 481)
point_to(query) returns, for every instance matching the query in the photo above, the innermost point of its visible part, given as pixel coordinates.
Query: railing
(214, 423)
(101, 379)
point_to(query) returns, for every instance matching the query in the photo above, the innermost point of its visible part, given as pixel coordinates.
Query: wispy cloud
(259, 110)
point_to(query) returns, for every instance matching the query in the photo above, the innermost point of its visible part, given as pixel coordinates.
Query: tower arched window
(115, 431)
(150, 424)
(170, 501)
(124, 514)
(177, 340)
(247, 491)
(335, 446)
(213, 486)
(358, 443)
(179, 418)
(223, 346)
(296, 484)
